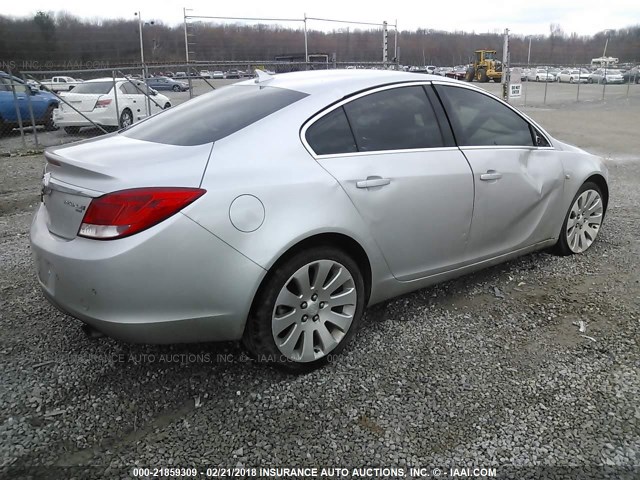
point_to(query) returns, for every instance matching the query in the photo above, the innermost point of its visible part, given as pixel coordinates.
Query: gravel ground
(488, 370)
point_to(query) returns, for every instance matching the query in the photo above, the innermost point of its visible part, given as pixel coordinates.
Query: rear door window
(395, 119)
(213, 116)
(480, 120)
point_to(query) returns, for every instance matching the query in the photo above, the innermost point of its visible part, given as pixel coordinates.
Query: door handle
(373, 182)
(491, 175)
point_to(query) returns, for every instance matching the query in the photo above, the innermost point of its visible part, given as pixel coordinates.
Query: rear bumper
(173, 283)
(70, 118)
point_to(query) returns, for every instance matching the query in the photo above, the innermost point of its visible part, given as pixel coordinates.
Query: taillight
(103, 103)
(123, 213)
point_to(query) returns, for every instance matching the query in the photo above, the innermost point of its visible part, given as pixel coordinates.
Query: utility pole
(395, 46)
(186, 51)
(505, 66)
(385, 39)
(306, 45)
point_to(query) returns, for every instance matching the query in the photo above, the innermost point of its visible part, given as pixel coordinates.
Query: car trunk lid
(84, 102)
(77, 173)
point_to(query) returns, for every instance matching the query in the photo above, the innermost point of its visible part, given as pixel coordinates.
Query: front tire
(308, 308)
(176, 88)
(166, 105)
(71, 130)
(583, 221)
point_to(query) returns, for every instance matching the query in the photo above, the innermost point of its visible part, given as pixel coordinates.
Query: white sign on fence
(515, 90)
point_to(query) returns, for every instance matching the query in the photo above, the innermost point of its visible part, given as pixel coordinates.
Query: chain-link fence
(54, 107)
(48, 112)
(556, 84)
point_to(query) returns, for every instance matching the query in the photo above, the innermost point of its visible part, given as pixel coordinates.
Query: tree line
(62, 39)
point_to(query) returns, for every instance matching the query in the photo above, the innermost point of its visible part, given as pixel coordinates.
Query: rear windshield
(94, 87)
(213, 116)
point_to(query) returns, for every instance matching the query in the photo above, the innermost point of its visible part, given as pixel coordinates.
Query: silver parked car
(606, 75)
(293, 202)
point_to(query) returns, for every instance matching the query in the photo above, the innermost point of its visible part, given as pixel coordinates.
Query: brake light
(123, 213)
(103, 103)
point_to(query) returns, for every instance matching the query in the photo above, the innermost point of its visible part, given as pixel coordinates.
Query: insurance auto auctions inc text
(375, 472)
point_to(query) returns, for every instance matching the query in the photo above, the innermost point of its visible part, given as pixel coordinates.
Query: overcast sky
(584, 17)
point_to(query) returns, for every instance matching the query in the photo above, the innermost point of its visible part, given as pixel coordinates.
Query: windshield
(213, 116)
(101, 88)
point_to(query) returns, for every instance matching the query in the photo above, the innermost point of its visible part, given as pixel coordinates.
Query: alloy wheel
(126, 119)
(314, 311)
(584, 221)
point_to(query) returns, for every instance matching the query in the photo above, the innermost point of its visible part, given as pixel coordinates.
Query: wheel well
(336, 240)
(602, 183)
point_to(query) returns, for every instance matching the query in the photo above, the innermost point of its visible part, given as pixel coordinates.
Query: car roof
(343, 82)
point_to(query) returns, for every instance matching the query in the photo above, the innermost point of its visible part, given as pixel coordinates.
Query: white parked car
(607, 75)
(573, 76)
(218, 74)
(541, 75)
(96, 100)
(205, 74)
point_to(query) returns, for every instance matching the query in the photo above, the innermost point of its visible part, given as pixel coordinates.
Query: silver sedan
(275, 210)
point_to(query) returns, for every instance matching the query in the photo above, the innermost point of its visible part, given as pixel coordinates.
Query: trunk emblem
(79, 208)
(46, 190)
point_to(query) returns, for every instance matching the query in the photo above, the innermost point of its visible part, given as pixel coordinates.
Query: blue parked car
(42, 103)
(166, 83)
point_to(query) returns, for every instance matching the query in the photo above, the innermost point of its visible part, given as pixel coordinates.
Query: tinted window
(132, 89)
(395, 119)
(478, 119)
(331, 134)
(213, 116)
(101, 88)
(129, 89)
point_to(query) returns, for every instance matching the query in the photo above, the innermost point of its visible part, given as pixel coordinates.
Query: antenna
(262, 76)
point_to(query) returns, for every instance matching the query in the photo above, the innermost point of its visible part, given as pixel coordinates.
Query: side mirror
(153, 92)
(33, 90)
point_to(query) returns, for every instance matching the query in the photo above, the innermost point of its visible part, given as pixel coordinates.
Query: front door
(518, 177)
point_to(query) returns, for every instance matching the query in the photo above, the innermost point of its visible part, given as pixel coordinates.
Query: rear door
(518, 176)
(399, 166)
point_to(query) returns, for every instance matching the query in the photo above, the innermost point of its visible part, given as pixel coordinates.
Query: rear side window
(100, 88)
(213, 116)
(331, 134)
(480, 120)
(396, 119)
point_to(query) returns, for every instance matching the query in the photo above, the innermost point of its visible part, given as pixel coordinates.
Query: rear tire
(166, 105)
(297, 327)
(49, 125)
(582, 222)
(126, 118)
(71, 130)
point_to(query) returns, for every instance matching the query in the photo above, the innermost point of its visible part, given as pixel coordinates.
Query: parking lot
(488, 370)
